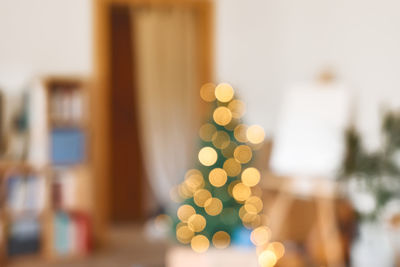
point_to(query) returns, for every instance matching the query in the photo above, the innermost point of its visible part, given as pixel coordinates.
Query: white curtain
(164, 42)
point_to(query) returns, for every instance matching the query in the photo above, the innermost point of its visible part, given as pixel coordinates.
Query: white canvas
(310, 138)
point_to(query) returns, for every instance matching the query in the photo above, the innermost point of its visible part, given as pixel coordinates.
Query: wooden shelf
(8, 168)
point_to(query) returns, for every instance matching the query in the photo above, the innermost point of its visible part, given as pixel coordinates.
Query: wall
(264, 46)
(43, 37)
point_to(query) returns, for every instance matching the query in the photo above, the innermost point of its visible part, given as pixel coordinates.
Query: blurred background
(106, 104)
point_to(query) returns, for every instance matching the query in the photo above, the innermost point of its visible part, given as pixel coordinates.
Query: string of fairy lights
(241, 181)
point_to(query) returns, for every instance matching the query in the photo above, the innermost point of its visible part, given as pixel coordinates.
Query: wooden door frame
(100, 92)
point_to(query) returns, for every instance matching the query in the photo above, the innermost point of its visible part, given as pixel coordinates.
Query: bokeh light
(240, 133)
(208, 156)
(218, 177)
(231, 186)
(221, 139)
(221, 239)
(277, 248)
(253, 221)
(228, 151)
(207, 131)
(232, 124)
(184, 234)
(255, 134)
(175, 195)
(243, 154)
(185, 212)
(200, 243)
(253, 204)
(267, 258)
(222, 116)
(251, 176)
(241, 192)
(213, 206)
(194, 180)
(232, 167)
(207, 92)
(260, 236)
(237, 108)
(249, 220)
(224, 92)
(197, 223)
(201, 196)
(184, 191)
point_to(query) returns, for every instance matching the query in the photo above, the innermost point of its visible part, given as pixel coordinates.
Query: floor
(128, 247)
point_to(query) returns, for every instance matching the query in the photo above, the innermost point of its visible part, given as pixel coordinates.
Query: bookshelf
(46, 209)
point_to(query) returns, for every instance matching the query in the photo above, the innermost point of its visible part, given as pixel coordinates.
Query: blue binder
(67, 146)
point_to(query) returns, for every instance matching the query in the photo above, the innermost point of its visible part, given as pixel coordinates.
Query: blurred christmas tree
(221, 194)
(378, 171)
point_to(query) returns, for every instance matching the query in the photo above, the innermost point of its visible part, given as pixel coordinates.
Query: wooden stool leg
(330, 233)
(279, 211)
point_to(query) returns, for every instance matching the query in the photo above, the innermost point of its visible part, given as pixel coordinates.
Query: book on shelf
(25, 194)
(72, 233)
(66, 105)
(23, 236)
(71, 189)
(67, 146)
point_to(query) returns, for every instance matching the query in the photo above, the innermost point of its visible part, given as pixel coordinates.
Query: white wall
(263, 46)
(44, 37)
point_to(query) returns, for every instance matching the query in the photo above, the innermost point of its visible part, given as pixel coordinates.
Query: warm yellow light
(224, 92)
(240, 133)
(252, 223)
(191, 172)
(206, 132)
(251, 176)
(208, 156)
(251, 209)
(255, 134)
(260, 236)
(277, 248)
(197, 223)
(241, 192)
(232, 167)
(253, 204)
(175, 195)
(184, 234)
(221, 239)
(231, 186)
(184, 212)
(245, 216)
(184, 191)
(267, 258)
(220, 139)
(213, 206)
(201, 196)
(194, 180)
(207, 92)
(200, 243)
(228, 151)
(243, 154)
(218, 177)
(232, 124)
(222, 116)
(237, 108)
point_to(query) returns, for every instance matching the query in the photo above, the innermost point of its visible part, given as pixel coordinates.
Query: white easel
(322, 192)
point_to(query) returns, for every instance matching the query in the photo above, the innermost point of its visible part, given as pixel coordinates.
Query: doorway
(122, 175)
